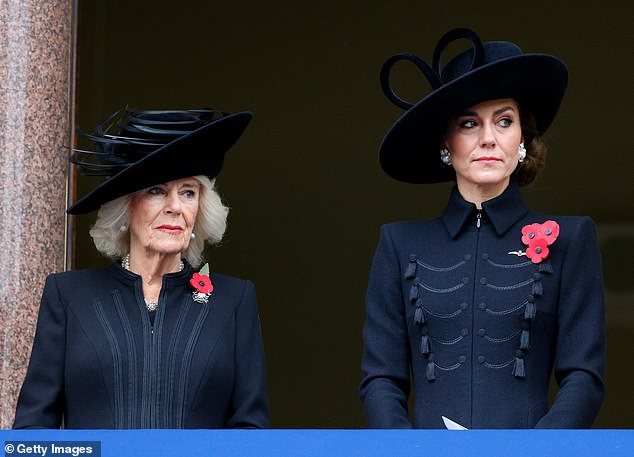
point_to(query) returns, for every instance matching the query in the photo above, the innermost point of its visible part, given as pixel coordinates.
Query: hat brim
(200, 152)
(409, 150)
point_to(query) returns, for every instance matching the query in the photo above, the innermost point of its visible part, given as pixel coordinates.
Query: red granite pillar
(36, 87)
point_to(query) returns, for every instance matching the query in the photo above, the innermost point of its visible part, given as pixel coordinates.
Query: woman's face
(483, 142)
(162, 217)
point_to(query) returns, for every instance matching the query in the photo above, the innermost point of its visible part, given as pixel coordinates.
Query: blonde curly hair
(111, 232)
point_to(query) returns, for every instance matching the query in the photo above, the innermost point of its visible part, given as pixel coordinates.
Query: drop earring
(445, 156)
(521, 152)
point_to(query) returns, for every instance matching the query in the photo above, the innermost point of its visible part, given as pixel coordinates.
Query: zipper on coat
(476, 252)
(155, 355)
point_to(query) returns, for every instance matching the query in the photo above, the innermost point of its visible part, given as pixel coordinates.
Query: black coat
(479, 329)
(99, 362)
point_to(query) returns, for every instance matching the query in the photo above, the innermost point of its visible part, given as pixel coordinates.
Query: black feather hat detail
(136, 149)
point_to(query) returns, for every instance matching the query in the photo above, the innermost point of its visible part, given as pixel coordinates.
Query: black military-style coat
(455, 309)
(100, 362)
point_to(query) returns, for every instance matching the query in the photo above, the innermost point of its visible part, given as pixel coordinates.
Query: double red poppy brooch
(202, 283)
(537, 238)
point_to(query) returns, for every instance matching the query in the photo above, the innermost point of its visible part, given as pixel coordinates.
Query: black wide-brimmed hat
(487, 71)
(137, 149)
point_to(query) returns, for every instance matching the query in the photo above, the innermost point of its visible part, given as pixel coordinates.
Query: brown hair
(526, 171)
(535, 160)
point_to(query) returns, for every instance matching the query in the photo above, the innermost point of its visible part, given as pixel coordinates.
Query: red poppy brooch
(202, 283)
(537, 238)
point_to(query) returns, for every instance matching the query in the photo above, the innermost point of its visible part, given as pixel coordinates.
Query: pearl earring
(123, 228)
(521, 153)
(192, 236)
(445, 156)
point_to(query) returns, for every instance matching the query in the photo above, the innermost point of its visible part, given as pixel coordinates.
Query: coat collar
(502, 211)
(179, 278)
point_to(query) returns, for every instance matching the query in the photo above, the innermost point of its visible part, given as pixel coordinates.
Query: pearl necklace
(150, 305)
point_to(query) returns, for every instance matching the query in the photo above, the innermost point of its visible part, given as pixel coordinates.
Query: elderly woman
(150, 342)
(478, 307)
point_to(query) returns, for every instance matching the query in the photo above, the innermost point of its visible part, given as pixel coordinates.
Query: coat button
(483, 306)
(481, 359)
(462, 359)
(482, 332)
(465, 280)
(464, 332)
(467, 257)
(413, 257)
(464, 306)
(483, 281)
(485, 256)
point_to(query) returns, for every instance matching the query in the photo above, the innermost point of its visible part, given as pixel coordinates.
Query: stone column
(36, 94)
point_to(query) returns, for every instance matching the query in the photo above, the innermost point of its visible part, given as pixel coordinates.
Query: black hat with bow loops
(487, 71)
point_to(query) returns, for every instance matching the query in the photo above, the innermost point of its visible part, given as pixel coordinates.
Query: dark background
(304, 185)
